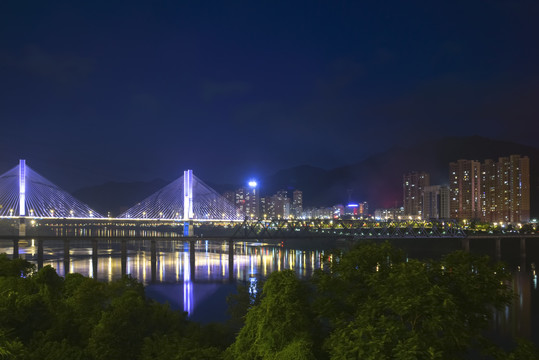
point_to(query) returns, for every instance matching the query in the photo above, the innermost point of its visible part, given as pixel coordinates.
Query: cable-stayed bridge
(25, 193)
(187, 207)
(186, 198)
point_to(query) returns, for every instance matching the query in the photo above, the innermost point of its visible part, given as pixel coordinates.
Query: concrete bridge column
(39, 254)
(124, 256)
(15, 249)
(66, 256)
(22, 227)
(95, 256)
(188, 229)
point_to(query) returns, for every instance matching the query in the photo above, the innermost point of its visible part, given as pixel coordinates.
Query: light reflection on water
(196, 276)
(193, 264)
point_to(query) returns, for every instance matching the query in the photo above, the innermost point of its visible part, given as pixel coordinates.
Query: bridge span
(24, 227)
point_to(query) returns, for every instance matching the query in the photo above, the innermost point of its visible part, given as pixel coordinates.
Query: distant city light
(353, 205)
(253, 183)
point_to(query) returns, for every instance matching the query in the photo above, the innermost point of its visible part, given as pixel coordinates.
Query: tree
(380, 306)
(281, 326)
(16, 267)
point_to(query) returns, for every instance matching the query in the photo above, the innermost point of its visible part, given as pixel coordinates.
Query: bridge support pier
(498, 249)
(188, 229)
(66, 256)
(230, 260)
(22, 227)
(95, 254)
(153, 259)
(39, 254)
(15, 249)
(124, 256)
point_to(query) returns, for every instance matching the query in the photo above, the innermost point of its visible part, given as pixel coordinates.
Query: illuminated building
(413, 184)
(247, 200)
(492, 191)
(512, 190)
(464, 189)
(297, 203)
(488, 191)
(240, 200)
(389, 214)
(436, 202)
(264, 208)
(318, 213)
(230, 196)
(363, 209)
(281, 204)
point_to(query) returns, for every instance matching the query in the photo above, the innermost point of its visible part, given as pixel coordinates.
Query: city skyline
(101, 92)
(488, 192)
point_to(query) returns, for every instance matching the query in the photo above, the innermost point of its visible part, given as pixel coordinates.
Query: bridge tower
(22, 187)
(22, 196)
(188, 212)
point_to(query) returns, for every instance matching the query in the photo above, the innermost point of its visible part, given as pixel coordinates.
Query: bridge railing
(247, 229)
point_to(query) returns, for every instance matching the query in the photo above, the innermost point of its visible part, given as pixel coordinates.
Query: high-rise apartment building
(436, 202)
(297, 203)
(363, 209)
(513, 189)
(281, 204)
(465, 189)
(247, 201)
(413, 184)
(492, 191)
(489, 184)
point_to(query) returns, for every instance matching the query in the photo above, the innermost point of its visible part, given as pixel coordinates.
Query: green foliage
(278, 326)
(368, 303)
(121, 329)
(43, 316)
(383, 307)
(240, 303)
(15, 267)
(175, 347)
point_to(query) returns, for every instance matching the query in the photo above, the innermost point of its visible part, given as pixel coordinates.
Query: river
(197, 276)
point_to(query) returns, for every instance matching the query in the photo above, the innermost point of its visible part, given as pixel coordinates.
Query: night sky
(96, 91)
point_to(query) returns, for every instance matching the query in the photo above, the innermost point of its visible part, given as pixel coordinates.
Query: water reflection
(168, 261)
(189, 274)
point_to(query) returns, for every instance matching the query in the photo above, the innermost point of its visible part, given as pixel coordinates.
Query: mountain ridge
(376, 179)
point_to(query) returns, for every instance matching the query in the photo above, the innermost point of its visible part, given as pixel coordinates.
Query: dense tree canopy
(44, 316)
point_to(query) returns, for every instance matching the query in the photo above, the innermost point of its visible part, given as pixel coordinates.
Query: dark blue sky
(95, 91)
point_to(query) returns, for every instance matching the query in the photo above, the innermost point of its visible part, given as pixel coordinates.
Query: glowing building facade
(413, 184)
(491, 191)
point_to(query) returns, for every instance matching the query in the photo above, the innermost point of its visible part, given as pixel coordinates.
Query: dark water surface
(197, 276)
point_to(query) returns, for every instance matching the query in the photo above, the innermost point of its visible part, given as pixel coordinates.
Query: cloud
(61, 68)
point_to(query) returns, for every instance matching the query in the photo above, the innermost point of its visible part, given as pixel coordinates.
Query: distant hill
(377, 179)
(117, 197)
